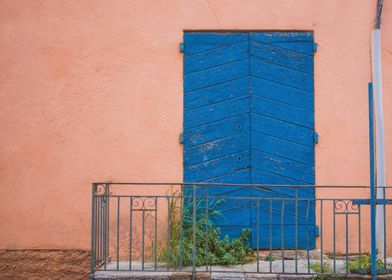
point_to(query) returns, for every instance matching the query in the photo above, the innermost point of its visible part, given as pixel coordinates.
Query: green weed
(269, 258)
(364, 262)
(316, 267)
(211, 247)
(324, 272)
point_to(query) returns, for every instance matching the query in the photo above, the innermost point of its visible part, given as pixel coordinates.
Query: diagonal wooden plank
(282, 57)
(216, 94)
(300, 42)
(283, 130)
(215, 149)
(283, 112)
(216, 112)
(274, 37)
(289, 212)
(283, 148)
(281, 93)
(209, 132)
(305, 241)
(216, 167)
(280, 74)
(216, 75)
(281, 166)
(196, 42)
(216, 57)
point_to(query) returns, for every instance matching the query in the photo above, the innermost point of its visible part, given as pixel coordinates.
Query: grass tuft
(221, 250)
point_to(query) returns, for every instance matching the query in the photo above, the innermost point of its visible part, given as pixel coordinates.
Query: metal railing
(308, 230)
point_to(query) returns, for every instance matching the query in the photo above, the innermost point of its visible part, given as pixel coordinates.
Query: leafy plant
(325, 268)
(364, 262)
(269, 258)
(211, 247)
(324, 271)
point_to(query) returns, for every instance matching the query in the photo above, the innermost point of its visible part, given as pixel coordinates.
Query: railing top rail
(237, 185)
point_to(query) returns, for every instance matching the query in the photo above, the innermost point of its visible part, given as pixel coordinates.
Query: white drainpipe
(379, 118)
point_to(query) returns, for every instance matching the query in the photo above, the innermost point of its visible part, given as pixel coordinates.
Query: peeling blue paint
(249, 118)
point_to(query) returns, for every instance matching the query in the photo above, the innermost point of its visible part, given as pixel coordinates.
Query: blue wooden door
(249, 119)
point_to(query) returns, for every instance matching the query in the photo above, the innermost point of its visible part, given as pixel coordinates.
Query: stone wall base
(44, 264)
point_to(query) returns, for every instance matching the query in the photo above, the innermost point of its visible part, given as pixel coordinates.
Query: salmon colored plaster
(93, 91)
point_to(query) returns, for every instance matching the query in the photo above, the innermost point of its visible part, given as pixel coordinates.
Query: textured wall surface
(44, 264)
(93, 91)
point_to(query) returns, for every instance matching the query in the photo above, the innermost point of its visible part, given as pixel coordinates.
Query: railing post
(372, 185)
(181, 222)
(92, 260)
(107, 232)
(194, 233)
(206, 228)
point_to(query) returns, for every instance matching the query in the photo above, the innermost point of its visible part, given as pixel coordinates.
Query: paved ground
(240, 272)
(299, 269)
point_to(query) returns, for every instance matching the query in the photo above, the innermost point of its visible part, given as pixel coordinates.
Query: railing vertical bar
(334, 236)
(296, 230)
(97, 240)
(346, 214)
(282, 233)
(105, 226)
(257, 234)
(181, 222)
(130, 231)
(118, 234)
(107, 239)
(307, 235)
(385, 230)
(168, 245)
(143, 230)
(372, 185)
(156, 234)
(100, 232)
(270, 237)
(321, 237)
(100, 229)
(194, 233)
(93, 232)
(359, 238)
(206, 229)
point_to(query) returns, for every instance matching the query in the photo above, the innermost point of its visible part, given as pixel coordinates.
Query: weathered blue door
(249, 119)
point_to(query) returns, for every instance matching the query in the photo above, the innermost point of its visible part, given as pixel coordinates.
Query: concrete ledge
(126, 275)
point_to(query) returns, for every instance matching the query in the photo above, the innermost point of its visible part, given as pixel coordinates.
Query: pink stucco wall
(92, 91)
